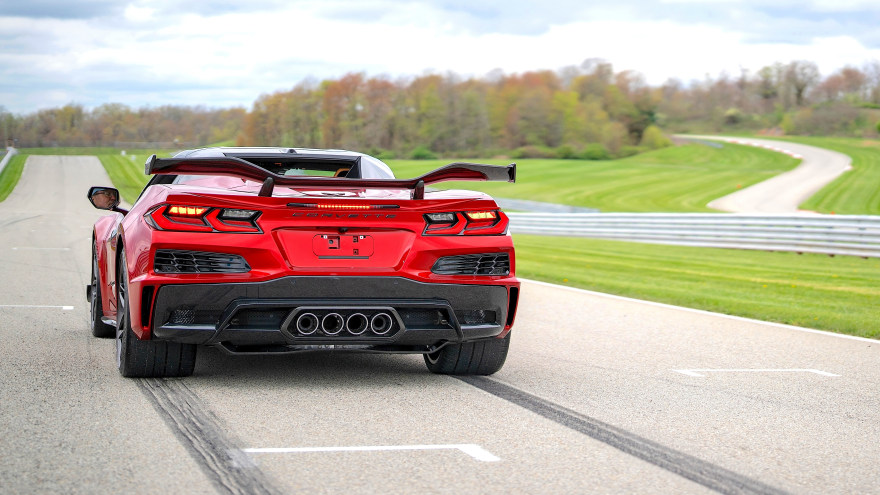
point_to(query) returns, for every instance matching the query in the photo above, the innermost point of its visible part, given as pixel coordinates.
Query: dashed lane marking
(63, 308)
(700, 372)
(473, 450)
(20, 248)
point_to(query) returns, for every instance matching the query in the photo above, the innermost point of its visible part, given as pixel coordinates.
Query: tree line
(790, 98)
(117, 125)
(533, 113)
(588, 111)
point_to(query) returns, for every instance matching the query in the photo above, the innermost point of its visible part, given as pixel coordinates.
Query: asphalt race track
(785, 192)
(599, 395)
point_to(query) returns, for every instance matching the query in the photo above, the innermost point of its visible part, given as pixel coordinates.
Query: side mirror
(104, 198)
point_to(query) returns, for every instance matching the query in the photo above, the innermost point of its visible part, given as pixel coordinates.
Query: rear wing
(237, 167)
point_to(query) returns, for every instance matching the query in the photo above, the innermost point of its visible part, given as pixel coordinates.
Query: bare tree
(800, 75)
(853, 80)
(872, 86)
(768, 86)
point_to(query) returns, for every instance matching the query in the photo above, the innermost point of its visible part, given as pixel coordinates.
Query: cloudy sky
(221, 53)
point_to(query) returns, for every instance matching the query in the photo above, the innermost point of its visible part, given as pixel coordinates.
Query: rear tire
(146, 358)
(482, 357)
(96, 312)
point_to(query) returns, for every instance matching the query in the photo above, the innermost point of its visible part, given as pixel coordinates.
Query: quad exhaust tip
(357, 324)
(381, 323)
(307, 324)
(332, 324)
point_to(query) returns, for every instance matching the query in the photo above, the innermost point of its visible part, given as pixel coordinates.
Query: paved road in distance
(785, 192)
(589, 401)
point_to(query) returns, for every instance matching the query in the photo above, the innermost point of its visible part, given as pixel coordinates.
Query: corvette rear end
(282, 251)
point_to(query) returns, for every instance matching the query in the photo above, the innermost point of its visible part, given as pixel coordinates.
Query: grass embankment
(677, 179)
(127, 173)
(10, 175)
(856, 192)
(838, 294)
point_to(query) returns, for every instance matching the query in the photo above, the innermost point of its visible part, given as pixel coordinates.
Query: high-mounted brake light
(341, 206)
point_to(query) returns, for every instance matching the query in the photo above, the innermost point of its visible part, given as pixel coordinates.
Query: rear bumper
(262, 316)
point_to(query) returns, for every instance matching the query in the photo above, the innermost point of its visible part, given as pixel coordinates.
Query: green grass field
(817, 291)
(677, 179)
(11, 174)
(127, 173)
(856, 192)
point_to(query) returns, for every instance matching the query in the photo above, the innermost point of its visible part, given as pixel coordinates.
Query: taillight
(179, 217)
(232, 220)
(444, 223)
(202, 219)
(441, 218)
(481, 215)
(490, 222)
(486, 223)
(186, 211)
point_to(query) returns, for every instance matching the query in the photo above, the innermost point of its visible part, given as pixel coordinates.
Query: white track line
(473, 450)
(699, 372)
(41, 249)
(65, 308)
(704, 312)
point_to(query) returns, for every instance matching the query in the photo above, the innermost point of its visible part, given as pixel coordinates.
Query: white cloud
(843, 5)
(226, 58)
(138, 14)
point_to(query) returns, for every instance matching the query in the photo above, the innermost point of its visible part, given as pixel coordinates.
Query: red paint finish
(300, 230)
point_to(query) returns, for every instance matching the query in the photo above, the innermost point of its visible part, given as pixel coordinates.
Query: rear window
(323, 168)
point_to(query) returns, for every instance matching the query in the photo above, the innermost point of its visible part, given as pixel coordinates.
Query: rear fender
(135, 266)
(106, 261)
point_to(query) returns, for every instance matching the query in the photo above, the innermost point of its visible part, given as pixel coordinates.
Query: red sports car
(277, 250)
